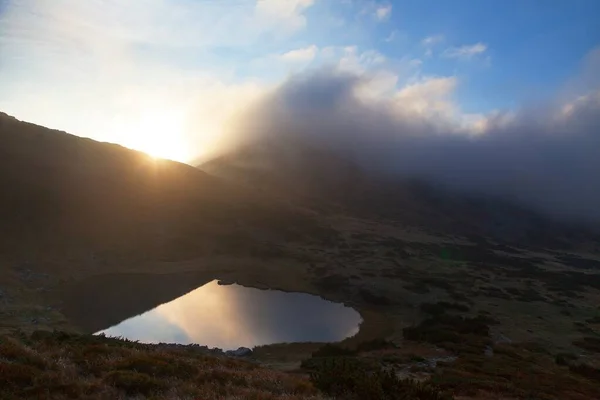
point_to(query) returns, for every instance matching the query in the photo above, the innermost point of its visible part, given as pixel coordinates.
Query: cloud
(543, 157)
(430, 95)
(392, 36)
(303, 55)
(119, 72)
(466, 51)
(288, 14)
(376, 10)
(383, 12)
(430, 42)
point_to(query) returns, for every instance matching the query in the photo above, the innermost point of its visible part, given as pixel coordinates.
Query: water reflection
(232, 316)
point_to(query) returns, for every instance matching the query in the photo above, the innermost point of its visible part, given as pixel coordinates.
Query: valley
(93, 234)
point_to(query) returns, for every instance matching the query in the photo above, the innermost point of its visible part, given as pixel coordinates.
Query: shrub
(375, 344)
(454, 333)
(564, 358)
(332, 350)
(441, 307)
(14, 351)
(374, 299)
(133, 383)
(347, 379)
(16, 375)
(586, 370)
(589, 343)
(163, 366)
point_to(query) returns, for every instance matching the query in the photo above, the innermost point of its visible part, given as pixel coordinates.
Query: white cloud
(466, 51)
(350, 59)
(383, 12)
(303, 55)
(110, 71)
(430, 42)
(395, 36)
(286, 14)
(428, 96)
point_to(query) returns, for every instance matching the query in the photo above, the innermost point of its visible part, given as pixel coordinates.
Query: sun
(164, 147)
(161, 135)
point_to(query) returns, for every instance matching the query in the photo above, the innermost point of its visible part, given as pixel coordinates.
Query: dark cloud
(546, 156)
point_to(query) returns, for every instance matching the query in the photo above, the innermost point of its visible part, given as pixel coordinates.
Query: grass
(349, 380)
(589, 343)
(517, 371)
(454, 333)
(60, 366)
(442, 307)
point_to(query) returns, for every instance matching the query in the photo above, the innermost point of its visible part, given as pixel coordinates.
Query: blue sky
(168, 76)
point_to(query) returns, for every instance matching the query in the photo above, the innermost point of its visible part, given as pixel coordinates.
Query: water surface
(232, 316)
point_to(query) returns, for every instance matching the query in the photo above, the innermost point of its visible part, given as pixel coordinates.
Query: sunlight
(159, 134)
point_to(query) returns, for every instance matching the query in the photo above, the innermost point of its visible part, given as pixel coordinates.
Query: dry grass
(64, 366)
(517, 371)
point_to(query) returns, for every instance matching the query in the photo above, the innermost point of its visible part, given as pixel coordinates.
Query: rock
(240, 352)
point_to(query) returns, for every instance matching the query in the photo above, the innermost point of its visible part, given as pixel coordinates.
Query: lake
(232, 316)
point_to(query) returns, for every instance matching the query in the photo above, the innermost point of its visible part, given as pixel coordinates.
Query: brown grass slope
(63, 194)
(63, 366)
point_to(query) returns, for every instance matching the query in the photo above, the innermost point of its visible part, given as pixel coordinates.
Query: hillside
(65, 193)
(309, 173)
(73, 207)
(483, 298)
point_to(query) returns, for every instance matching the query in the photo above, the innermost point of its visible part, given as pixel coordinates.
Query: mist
(545, 156)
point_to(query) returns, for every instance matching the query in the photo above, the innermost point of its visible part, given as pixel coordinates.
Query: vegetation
(589, 343)
(442, 307)
(348, 379)
(525, 370)
(381, 262)
(586, 370)
(455, 333)
(65, 366)
(517, 371)
(565, 358)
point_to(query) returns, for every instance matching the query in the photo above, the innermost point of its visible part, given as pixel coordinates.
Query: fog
(543, 155)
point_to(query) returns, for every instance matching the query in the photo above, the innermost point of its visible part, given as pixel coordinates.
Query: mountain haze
(311, 172)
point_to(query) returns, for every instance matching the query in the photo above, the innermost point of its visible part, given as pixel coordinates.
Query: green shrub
(441, 307)
(564, 358)
(332, 350)
(447, 328)
(347, 379)
(375, 344)
(589, 343)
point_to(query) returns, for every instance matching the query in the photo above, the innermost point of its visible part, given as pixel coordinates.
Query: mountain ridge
(304, 171)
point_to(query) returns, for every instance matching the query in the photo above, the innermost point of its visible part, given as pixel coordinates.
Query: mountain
(304, 172)
(62, 194)
(486, 298)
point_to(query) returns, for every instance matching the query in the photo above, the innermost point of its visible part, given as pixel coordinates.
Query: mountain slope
(306, 172)
(93, 234)
(64, 194)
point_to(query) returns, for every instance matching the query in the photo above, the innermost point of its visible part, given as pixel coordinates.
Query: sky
(500, 97)
(169, 76)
